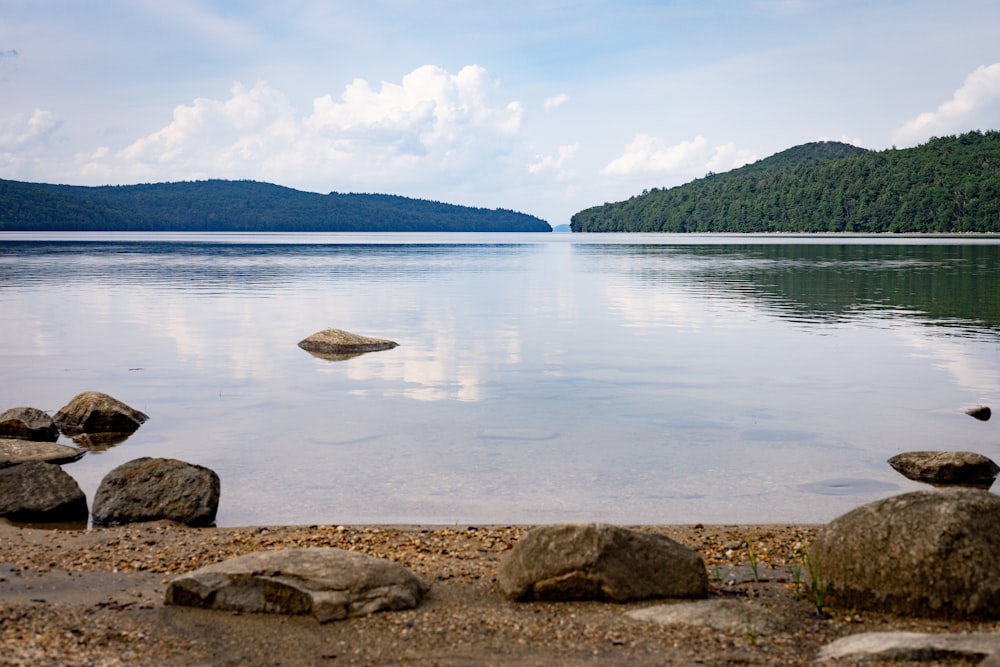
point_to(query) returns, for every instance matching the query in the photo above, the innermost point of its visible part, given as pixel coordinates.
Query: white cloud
(647, 154)
(22, 137)
(973, 106)
(430, 123)
(556, 101)
(556, 163)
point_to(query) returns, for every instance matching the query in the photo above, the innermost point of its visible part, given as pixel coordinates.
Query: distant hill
(238, 206)
(949, 184)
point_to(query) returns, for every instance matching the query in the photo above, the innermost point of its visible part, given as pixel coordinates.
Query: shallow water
(546, 377)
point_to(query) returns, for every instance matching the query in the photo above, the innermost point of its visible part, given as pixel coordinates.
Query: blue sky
(546, 107)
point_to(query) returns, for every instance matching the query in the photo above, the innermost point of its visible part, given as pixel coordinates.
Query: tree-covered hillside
(949, 184)
(238, 206)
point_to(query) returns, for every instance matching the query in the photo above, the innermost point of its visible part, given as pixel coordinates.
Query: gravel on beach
(95, 597)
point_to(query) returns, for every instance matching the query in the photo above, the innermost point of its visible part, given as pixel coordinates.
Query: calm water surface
(539, 378)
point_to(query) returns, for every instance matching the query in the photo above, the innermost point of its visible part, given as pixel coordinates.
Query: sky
(541, 106)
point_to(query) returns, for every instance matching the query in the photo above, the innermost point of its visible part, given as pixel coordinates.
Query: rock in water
(13, 452)
(40, 492)
(94, 412)
(594, 561)
(947, 468)
(928, 553)
(149, 489)
(980, 412)
(330, 584)
(28, 424)
(336, 344)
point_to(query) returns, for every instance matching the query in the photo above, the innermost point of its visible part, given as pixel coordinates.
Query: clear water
(539, 378)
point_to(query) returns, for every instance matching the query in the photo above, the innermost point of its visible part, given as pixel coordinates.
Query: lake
(538, 378)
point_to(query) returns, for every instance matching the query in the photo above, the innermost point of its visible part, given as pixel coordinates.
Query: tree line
(948, 185)
(238, 206)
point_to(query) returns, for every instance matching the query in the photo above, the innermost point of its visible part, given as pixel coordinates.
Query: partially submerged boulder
(40, 492)
(594, 561)
(28, 424)
(947, 468)
(94, 412)
(336, 344)
(151, 489)
(928, 553)
(331, 584)
(980, 412)
(13, 452)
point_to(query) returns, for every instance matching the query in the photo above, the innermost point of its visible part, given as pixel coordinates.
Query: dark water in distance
(539, 378)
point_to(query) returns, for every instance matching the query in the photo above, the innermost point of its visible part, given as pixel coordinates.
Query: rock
(28, 424)
(928, 553)
(981, 412)
(336, 344)
(912, 646)
(148, 489)
(947, 468)
(40, 492)
(94, 412)
(726, 615)
(331, 584)
(593, 561)
(13, 452)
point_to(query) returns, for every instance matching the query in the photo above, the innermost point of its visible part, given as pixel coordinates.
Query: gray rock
(94, 412)
(726, 615)
(947, 468)
(928, 553)
(980, 412)
(13, 452)
(40, 492)
(336, 344)
(912, 646)
(330, 584)
(148, 489)
(28, 424)
(593, 561)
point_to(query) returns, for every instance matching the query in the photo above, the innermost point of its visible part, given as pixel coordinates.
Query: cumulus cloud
(432, 122)
(647, 154)
(557, 163)
(973, 106)
(22, 137)
(556, 101)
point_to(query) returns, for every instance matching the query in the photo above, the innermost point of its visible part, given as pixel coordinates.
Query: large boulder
(13, 452)
(148, 489)
(40, 492)
(94, 412)
(337, 344)
(947, 468)
(330, 584)
(594, 561)
(928, 553)
(28, 424)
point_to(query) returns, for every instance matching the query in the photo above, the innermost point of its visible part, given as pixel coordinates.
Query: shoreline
(96, 597)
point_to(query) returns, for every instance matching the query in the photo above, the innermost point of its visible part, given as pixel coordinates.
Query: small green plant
(716, 574)
(752, 555)
(796, 572)
(818, 583)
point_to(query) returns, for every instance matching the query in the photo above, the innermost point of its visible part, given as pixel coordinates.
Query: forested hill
(949, 184)
(238, 206)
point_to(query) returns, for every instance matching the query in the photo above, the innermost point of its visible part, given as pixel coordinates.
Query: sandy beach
(96, 598)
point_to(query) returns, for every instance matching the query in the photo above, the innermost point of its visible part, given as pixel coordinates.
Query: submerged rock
(13, 452)
(40, 492)
(148, 489)
(336, 344)
(28, 424)
(928, 553)
(331, 584)
(594, 561)
(94, 412)
(947, 468)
